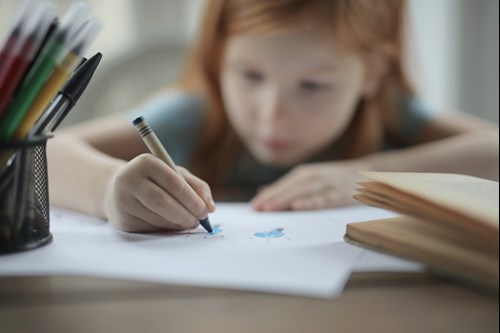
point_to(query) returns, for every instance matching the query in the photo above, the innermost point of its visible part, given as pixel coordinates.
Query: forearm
(79, 175)
(474, 154)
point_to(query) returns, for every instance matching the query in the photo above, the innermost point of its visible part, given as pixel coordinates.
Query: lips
(277, 144)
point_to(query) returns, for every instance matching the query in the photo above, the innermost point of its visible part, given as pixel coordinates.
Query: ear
(376, 66)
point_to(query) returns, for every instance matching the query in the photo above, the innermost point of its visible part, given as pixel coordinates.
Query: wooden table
(371, 302)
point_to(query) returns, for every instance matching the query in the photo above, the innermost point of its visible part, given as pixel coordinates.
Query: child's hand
(310, 186)
(146, 195)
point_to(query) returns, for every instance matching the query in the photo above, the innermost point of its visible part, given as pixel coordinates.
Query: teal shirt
(177, 117)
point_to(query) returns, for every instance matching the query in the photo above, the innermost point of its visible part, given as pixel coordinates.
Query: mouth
(277, 145)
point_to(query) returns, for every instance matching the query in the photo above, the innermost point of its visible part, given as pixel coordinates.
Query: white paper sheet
(299, 253)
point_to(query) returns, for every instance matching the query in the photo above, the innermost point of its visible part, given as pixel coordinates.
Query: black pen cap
(76, 84)
(82, 61)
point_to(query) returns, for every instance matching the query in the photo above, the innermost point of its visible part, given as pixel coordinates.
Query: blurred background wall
(454, 51)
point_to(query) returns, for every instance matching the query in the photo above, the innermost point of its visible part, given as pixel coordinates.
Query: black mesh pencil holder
(24, 195)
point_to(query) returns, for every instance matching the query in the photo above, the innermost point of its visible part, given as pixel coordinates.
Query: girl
(288, 99)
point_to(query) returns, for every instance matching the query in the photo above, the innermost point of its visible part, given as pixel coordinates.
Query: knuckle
(155, 198)
(123, 222)
(145, 158)
(204, 186)
(313, 203)
(183, 222)
(170, 225)
(177, 187)
(145, 164)
(199, 209)
(299, 170)
(192, 223)
(332, 199)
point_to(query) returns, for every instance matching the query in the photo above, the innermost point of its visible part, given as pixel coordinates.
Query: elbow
(488, 150)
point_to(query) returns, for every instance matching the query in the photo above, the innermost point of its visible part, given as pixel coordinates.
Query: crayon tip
(138, 120)
(205, 223)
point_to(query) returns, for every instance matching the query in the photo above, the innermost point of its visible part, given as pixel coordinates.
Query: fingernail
(276, 206)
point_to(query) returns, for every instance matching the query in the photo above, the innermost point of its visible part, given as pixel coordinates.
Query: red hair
(373, 29)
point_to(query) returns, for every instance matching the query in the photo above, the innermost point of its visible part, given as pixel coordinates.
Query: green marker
(32, 83)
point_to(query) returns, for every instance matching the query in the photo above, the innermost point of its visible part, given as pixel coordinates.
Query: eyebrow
(242, 62)
(313, 71)
(322, 69)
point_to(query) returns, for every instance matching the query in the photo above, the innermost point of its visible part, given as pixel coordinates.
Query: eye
(313, 86)
(253, 76)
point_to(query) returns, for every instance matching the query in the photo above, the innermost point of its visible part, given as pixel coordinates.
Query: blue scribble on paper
(270, 234)
(215, 230)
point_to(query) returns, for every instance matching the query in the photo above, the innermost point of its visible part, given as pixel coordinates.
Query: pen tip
(205, 223)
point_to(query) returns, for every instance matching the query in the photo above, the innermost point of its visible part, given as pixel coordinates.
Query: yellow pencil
(47, 93)
(81, 40)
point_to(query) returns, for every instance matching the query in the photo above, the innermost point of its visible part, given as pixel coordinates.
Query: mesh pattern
(24, 198)
(42, 187)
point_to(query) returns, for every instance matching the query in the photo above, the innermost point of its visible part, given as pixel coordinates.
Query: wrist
(372, 162)
(105, 201)
(366, 163)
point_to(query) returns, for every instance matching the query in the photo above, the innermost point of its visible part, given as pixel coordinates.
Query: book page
(471, 196)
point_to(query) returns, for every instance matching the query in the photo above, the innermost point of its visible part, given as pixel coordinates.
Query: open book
(449, 222)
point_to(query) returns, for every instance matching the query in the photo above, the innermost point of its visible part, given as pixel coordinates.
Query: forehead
(304, 46)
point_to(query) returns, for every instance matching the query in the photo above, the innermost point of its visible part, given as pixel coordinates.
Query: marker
(81, 42)
(151, 140)
(21, 62)
(11, 73)
(66, 98)
(31, 85)
(52, 53)
(18, 57)
(15, 37)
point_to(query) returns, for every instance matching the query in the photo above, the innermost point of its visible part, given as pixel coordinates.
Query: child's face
(290, 94)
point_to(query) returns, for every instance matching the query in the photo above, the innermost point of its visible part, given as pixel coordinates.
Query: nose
(272, 114)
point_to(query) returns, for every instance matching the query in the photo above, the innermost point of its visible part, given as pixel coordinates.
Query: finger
(122, 213)
(160, 222)
(279, 195)
(133, 207)
(130, 223)
(322, 200)
(306, 188)
(172, 183)
(200, 187)
(160, 208)
(266, 197)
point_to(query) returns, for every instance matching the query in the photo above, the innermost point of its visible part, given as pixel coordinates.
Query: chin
(276, 160)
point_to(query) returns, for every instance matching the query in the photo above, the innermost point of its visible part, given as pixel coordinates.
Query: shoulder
(181, 106)
(176, 117)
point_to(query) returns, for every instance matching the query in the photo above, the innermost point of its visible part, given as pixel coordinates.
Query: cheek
(236, 103)
(335, 113)
(339, 107)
